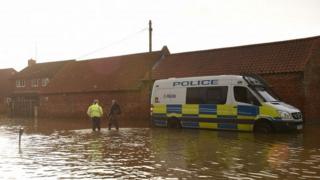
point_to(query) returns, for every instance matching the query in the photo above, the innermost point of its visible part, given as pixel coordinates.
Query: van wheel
(263, 126)
(174, 123)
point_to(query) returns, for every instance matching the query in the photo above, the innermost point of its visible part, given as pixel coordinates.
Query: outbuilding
(122, 78)
(291, 68)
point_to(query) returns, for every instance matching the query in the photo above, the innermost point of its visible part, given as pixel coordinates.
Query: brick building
(122, 78)
(6, 88)
(29, 82)
(291, 68)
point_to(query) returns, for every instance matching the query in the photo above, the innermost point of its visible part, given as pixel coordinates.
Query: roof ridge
(249, 45)
(117, 56)
(124, 72)
(58, 61)
(7, 69)
(268, 58)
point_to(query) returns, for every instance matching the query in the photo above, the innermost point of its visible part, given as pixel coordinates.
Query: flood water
(68, 149)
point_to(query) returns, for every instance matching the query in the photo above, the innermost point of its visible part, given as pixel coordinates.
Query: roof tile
(103, 74)
(276, 57)
(40, 70)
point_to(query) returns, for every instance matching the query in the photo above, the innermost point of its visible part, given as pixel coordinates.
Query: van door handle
(235, 106)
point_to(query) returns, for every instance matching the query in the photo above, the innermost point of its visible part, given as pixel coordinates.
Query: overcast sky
(53, 30)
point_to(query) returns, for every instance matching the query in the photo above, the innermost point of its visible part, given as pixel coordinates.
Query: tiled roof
(103, 74)
(5, 83)
(276, 57)
(40, 70)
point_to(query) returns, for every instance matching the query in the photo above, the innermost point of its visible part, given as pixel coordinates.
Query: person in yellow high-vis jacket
(95, 112)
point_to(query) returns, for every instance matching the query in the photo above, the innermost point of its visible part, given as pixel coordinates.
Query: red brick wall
(312, 85)
(135, 104)
(132, 103)
(289, 87)
(145, 94)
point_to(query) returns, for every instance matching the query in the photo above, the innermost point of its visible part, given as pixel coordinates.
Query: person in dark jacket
(114, 112)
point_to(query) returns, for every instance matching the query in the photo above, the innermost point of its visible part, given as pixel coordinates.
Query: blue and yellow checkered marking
(207, 111)
(227, 126)
(159, 122)
(174, 108)
(212, 116)
(210, 109)
(247, 110)
(190, 124)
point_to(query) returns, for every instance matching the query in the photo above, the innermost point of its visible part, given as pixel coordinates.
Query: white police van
(228, 102)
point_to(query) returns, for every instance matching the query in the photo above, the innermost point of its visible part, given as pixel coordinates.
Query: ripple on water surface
(142, 153)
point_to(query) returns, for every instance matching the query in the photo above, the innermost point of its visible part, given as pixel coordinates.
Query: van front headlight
(285, 115)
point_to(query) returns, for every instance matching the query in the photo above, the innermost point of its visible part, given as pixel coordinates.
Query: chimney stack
(31, 62)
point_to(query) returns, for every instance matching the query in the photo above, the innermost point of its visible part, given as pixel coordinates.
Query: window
(217, 95)
(45, 82)
(196, 96)
(20, 83)
(207, 95)
(242, 94)
(35, 83)
(8, 100)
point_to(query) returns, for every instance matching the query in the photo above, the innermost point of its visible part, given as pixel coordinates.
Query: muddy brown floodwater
(67, 149)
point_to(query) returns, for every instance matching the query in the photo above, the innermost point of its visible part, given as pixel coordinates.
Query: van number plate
(299, 127)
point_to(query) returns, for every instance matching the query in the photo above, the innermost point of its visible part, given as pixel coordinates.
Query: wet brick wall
(312, 85)
(134, 105)
(289, 87)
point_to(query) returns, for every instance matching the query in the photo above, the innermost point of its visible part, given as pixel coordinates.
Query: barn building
(123, 78)
(66, 88)
(291, 68)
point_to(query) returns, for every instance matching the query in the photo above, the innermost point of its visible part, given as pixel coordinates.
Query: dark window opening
(242, 94)
(207, 95)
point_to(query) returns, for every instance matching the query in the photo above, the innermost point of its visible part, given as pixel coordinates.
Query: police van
(226, 102)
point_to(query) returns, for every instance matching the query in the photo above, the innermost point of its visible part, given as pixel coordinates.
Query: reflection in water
(68, 149)
(278, 155)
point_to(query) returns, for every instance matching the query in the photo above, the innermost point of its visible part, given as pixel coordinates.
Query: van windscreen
(267, 96)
